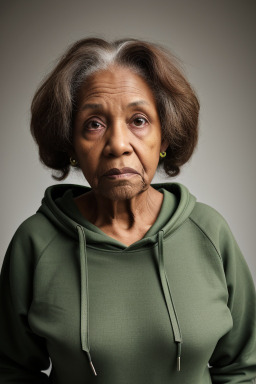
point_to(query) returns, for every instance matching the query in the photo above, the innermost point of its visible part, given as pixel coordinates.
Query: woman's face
(117, 133)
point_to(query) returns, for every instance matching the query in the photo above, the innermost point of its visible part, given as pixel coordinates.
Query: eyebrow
(92, 106)
(136, 103)
(100, 106)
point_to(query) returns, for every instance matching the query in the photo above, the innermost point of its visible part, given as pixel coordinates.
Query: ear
(164, 145)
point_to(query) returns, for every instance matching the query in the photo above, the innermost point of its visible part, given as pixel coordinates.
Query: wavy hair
(54, 104)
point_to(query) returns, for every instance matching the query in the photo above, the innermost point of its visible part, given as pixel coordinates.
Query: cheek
(154, 144)
(149, 157)
(86, 158)
(153, 152)
(83, 149)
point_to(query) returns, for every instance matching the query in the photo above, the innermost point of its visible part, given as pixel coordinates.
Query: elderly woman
(123, 282)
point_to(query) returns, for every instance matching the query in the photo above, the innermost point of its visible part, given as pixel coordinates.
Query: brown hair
(54, 103)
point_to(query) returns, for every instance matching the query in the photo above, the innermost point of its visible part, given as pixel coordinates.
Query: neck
(140, 210)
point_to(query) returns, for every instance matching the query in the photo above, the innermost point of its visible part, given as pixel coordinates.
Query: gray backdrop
(215, 40)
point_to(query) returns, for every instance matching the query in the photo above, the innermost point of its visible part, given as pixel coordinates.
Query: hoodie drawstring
(84, 295)
(168, 299)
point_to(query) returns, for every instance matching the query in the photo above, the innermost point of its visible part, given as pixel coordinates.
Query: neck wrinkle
(126, 214)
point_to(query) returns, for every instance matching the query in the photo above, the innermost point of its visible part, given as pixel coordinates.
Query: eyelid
(144, 110)
(93, 119)
(140, 116)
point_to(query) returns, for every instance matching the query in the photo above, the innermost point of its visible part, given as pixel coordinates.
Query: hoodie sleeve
(234, 358)
(23, 354)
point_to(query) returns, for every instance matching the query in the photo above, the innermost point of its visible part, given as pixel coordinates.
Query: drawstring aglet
(178, 356)
(178, 363)
(91, 364)
(93, 369)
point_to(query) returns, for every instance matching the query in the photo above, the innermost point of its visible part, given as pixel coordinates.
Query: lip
(122, 171)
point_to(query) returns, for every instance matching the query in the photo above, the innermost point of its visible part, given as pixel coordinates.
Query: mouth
(116, 173)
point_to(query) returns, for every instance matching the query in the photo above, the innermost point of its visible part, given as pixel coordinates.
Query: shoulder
(207, 216)
(36, 225)
(214, 226)
(218, 232)
(32, 237)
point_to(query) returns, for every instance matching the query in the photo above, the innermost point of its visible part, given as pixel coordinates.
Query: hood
(184, 204)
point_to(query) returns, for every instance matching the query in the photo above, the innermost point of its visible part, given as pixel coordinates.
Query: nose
(118, 141)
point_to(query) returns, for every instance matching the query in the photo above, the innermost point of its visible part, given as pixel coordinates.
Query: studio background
(216, 42)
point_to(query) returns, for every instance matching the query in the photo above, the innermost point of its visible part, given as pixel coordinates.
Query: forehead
(116, 82)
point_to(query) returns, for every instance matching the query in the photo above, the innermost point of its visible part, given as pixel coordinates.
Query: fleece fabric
(177, 306)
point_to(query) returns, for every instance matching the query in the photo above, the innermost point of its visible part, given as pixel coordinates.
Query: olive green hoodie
(177, 306)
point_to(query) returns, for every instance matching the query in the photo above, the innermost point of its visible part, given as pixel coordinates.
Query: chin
(122, 191)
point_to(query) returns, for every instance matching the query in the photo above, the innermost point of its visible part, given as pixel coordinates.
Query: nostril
(115, 154)
(116, 148)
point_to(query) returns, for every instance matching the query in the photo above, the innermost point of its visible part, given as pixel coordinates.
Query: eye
(93, 125)
(139, 121)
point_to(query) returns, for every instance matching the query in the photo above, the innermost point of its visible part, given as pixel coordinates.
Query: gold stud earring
(162, 154)
(73, 162)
